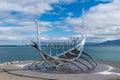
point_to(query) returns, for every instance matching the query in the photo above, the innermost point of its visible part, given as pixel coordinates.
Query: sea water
(107, 53)
(19, 53)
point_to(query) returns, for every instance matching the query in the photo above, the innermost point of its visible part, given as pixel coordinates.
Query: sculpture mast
(83, 22)
(83, 16)
(38, 34)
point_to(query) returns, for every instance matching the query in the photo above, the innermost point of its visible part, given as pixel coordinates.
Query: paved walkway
(6, 76)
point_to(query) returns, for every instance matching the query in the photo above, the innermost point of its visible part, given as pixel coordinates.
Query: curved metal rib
(77, 66)
(87, 61)
(36, 65)
(91, 58)
(83, 64)
(46, 66)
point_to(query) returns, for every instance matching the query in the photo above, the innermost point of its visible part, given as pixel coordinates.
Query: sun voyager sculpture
(73, 60)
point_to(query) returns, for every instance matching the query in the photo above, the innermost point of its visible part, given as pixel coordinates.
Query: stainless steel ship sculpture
(74, 60)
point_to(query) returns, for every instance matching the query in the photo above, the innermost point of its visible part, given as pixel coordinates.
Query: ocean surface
(19, 53)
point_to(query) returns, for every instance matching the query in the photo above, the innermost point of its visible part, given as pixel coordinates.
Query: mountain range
(109, 42)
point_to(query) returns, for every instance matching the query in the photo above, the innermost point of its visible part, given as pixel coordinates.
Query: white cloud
(70, 14)
(31, 6)
(54, 39)
(22, 30)
(13, 28)
(103, 21)
(103, 18)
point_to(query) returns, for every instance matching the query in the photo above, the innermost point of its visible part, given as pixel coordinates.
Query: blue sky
(58, 20)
